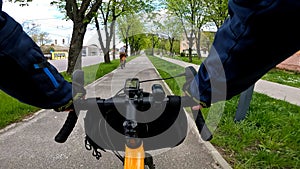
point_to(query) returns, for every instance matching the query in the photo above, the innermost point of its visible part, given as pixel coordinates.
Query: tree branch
(71, 9)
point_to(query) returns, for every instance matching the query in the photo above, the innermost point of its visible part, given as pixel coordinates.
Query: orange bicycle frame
(134, 157)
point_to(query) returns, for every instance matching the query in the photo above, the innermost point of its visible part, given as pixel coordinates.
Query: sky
(48, 18)
(40, 12)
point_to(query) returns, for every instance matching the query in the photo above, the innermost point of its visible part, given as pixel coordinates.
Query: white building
(91, 44)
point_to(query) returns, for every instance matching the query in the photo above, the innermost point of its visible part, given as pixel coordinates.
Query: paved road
(61, 65)
(29, 144)
(279, 91)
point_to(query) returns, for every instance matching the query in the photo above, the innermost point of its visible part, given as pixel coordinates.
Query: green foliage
(131, 30)
(217, 11)
(174, 31)
(192, 16)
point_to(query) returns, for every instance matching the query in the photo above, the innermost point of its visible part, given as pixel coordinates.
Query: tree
(200, 20)
(206, 40)
(138, 42)
(81, 13)
(30, 27)
(189, 12)
(218, 11)
(110, 11)
(173, 30)
(21, 2)
(41, 38)
(153, 29)
(34, 31)
(155, 42)
(131, 29)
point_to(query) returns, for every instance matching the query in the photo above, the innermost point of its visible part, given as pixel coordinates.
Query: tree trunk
(190, 48)
(74, 60)
(198, 41)
(106, 57)
(114, 43)
(171, 41)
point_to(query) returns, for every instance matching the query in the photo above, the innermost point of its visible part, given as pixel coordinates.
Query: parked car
(186, 52)
(48, 56)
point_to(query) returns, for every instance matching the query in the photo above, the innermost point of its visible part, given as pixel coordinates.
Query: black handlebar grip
(203, 129)
(67, 128)
(158, 92)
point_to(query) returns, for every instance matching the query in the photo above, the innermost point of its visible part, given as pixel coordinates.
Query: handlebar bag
(166, 128)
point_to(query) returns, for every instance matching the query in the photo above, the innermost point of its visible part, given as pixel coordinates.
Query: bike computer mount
(132, 87)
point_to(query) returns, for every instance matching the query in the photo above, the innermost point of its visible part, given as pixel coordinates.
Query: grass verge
(195, 60)
(12, 110)
(283, 77)
(268, 138)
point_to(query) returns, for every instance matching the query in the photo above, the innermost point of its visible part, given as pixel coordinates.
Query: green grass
(11, 110)
(167, 69)
(268, 138)
(283, 77)
(195, 60)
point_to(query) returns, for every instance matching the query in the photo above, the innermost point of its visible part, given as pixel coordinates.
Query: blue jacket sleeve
(25, 73)
(256, 37)
(1, 18)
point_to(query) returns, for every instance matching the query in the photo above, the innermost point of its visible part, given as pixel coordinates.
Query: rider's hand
(78, 94)
(190, 74)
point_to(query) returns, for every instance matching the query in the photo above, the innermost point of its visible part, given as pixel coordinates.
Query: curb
(217, 156)
(14, 125)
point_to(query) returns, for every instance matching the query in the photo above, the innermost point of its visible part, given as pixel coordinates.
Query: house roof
(55, 47)
(292, 63)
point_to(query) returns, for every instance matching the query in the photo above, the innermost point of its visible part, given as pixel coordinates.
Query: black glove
(78, 93)
(190, 74)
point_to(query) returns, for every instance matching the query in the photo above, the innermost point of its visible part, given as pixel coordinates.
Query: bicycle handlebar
(146, 100)
(90, 103)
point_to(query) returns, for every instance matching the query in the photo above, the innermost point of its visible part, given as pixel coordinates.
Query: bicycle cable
(179, 75)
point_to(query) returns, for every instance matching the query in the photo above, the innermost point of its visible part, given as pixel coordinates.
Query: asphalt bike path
(30, 143)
